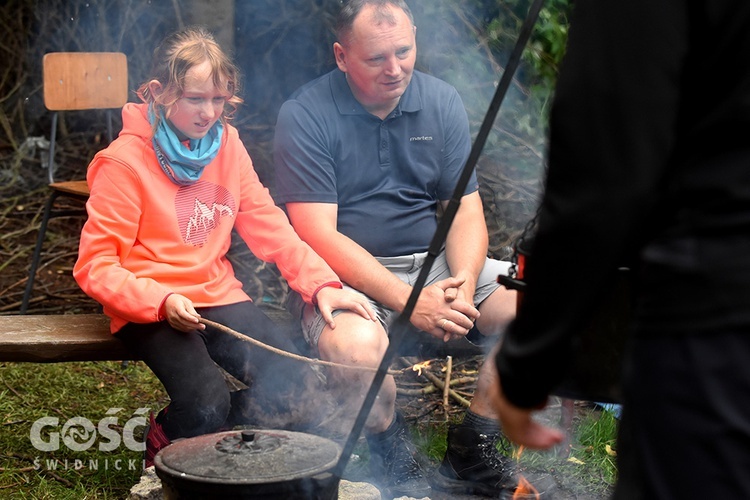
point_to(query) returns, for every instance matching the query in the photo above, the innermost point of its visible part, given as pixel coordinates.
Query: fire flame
(524, 489)
(420, 366)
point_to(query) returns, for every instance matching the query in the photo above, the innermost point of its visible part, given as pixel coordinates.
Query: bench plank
(86, 337)
(57, 338)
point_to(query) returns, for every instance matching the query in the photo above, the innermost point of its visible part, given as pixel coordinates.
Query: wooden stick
(287, 354)
(447, 383)
(462, 380)
(417, 392)
(429, 389)
(440, 385)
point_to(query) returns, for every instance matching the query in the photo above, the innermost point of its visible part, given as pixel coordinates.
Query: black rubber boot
(472, 465)
(393, 465)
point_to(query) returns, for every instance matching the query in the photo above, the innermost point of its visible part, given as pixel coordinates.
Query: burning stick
(418, 367)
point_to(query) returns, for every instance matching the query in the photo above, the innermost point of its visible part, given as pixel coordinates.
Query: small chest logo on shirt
(420, 138)
(200, 208)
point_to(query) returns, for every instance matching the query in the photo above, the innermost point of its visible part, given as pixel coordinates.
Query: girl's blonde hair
(176, 54)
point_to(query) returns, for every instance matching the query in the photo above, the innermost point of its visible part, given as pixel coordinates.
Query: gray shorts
(407, 268)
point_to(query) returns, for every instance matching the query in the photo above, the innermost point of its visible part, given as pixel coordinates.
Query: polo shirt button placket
(385, 157)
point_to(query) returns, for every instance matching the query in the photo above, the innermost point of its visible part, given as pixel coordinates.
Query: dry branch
(286, 354)
(447, 383)
(438, 383)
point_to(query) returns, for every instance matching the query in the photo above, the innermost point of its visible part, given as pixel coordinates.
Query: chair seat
(75, 188)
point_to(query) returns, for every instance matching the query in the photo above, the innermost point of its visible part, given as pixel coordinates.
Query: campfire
(524, 489)
(418, 367)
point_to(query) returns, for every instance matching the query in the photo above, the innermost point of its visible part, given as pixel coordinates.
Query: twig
(11, 389)
(464, 393)
(447, 383)
(287, 354)
(429, 389)
(22, 469)
(427, 411)
(57, 477)
(462, 380)
(440, 385)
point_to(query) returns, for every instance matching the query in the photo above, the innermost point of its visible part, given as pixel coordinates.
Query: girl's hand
(181, 315)
(330, 298)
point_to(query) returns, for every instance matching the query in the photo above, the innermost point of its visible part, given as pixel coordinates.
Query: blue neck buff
(182, 165)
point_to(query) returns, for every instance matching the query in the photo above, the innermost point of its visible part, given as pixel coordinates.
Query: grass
(66, 393)
(588, 471)
(590, 467)
(79, 455)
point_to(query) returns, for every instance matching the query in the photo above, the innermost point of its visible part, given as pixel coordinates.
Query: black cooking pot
(249, 464)
(595, 367)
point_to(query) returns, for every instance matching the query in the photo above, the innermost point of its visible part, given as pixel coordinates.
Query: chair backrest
(83, 81)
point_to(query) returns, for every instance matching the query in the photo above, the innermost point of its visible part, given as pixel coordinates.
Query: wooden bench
(86, 337)
(58, 338)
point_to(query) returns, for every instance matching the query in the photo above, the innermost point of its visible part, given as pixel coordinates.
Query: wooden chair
(76, 81)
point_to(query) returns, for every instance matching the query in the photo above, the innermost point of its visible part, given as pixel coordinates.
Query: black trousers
(685, 430)
(186, 364)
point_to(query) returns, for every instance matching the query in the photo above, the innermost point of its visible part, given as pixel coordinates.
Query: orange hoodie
(146, 237)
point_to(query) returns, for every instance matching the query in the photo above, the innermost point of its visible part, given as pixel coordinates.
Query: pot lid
(251, 456)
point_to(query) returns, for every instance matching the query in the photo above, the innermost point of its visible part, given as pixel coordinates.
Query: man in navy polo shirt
(364, 156)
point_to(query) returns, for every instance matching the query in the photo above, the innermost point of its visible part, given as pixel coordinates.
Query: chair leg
(37, 251)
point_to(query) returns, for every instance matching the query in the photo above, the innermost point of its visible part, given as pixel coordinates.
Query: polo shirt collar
(347, 105)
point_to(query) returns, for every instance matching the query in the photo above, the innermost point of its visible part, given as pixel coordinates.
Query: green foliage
(543, 53)
(548, 43)
(598, 439)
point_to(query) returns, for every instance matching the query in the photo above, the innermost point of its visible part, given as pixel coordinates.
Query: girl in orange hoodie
(165, 197)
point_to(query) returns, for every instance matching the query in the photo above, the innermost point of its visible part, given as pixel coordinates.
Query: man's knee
(355, 340)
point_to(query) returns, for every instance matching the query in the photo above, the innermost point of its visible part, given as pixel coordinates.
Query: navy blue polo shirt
(387, 176)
